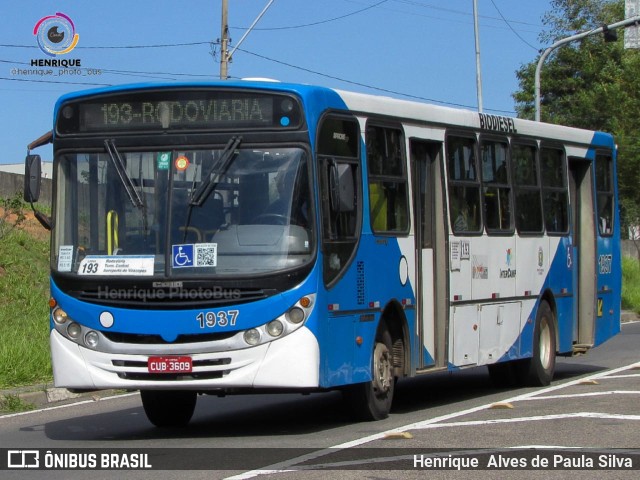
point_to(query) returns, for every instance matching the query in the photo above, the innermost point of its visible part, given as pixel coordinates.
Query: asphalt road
(592, 404)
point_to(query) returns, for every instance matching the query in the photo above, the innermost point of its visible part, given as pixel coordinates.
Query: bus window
(387, 180)
(554, 191)
(464, 188)
(495, 186)
(339, 172)
(604, 192)
(527, 189)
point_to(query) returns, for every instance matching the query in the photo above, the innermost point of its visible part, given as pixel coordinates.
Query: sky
(413, 49)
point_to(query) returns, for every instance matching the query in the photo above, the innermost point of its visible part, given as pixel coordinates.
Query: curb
(41, 396)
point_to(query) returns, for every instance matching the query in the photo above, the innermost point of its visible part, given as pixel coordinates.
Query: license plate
(169, 365)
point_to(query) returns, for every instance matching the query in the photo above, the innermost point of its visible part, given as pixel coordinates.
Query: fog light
(252, 337)
(275, 328)
(91, 339)
(295, 315)
(60, 316)
(74, 330)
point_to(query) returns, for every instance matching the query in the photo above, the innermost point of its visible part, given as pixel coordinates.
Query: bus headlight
(275, 328)
(74, 330)
(91, 339)
(295, 315)
(252, 336)
(284, 324)
(59, 316)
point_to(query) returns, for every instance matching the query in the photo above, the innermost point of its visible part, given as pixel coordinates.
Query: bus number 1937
(221, 319)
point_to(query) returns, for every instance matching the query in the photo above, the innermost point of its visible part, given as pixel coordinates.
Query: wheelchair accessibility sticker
(198, 255)
(182, 256)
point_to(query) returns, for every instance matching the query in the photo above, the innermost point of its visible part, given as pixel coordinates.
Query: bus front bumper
(290, 362)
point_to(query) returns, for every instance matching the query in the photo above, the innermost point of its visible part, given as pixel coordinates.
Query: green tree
(590, 84)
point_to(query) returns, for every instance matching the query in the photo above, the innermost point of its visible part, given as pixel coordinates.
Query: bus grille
(139, 339)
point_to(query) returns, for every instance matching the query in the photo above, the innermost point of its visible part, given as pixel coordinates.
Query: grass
(24, 311)
(631, 284)
(13, 403)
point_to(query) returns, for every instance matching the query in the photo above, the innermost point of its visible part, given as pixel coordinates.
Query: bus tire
(538, 370)
(372, 400)
(168, 408)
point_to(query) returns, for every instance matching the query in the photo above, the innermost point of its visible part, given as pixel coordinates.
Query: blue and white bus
(248, 236)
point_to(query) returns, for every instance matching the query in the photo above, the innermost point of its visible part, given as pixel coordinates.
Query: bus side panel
(355, 305)
(609, 285)
(560, 285)
(609, 267)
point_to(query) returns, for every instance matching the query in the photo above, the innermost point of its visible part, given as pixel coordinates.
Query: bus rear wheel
(538, 370)
(372, 400)
(168, 408)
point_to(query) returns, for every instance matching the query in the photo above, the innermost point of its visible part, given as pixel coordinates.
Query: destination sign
(179, 110)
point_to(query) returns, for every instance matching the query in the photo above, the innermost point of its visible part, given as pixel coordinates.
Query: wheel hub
(382, 374)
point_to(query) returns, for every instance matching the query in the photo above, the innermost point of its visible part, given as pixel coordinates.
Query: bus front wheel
(372, 400)
(539, 369)
(168, 408)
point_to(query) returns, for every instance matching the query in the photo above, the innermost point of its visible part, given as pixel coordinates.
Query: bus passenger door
(428, 227)
(584, 251)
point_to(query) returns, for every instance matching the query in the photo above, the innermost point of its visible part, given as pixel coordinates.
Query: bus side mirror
(341, 187)
(32, 178)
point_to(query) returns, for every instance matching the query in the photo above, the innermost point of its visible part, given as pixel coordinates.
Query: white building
(47, 168)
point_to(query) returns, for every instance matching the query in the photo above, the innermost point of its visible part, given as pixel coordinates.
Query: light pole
(564, 41)
(478, 68)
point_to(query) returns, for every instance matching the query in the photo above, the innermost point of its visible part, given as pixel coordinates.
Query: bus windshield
(228, 211)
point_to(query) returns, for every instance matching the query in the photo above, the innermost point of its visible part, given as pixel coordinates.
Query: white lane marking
(67, 405)
(590, 394)
(286, 465)
(536, 418)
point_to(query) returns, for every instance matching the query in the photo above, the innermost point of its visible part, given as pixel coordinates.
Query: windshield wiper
(118, 164)
(220, 167)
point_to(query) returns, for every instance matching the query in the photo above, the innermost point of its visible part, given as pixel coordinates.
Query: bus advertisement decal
(479, 270)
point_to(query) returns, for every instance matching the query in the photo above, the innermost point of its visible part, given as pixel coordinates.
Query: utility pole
(225, 55)
(224, 41)
(478, 68)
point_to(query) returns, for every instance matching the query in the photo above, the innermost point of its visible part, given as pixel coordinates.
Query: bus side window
(604, 196)
(527, 189)
(554, 190)
(464, 186)
(388, 193)
(339, 177)
(496, 186)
